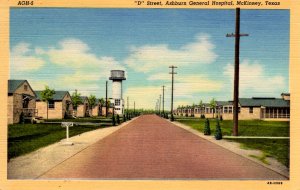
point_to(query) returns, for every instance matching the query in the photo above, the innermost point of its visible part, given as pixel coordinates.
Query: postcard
(149, 94)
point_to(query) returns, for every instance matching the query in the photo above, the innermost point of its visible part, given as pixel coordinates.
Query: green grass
(84, 119)
(25, 138)
(276, 148)
(246, 127)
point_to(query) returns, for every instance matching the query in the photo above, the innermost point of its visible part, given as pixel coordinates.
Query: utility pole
(134, 107)
(127, 105)
(163, 104)
(237, 36)
(172, 73)
(106, 102)
(159, 103)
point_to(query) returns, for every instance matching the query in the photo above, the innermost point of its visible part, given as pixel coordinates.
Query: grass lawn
(246, 127)
(84, 119)
(25, 138)
(276, 148)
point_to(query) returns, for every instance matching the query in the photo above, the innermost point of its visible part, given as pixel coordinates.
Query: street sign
(67, 125)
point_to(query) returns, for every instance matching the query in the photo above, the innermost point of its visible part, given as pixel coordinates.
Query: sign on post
(67, 125)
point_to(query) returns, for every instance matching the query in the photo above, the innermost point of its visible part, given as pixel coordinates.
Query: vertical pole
(163, 105)
(159, 103)
(172, 72)
(67, 132)
(172, 94)
(127, 103)
(236, 74)
(106, 102)
(127, 113)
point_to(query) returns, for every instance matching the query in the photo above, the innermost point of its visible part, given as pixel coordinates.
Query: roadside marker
(67, 125)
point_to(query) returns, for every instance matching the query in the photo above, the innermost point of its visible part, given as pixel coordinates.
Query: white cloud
(189, 84)
(254, 78)
(151, 57)
(76, 67)
(22, 60)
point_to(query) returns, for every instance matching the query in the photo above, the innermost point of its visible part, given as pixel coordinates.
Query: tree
(118, 119)
(201, 105)
(47, 95)
(102, 103)
(92, 102)
(76, 100)
(213, 105)
(206, 127)
(113, 120)
(218, 133)
(107, 108)
(193, 110)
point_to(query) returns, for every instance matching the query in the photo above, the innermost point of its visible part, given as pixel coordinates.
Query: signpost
(67, 125)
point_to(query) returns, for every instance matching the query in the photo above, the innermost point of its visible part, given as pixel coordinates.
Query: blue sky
(71, 49)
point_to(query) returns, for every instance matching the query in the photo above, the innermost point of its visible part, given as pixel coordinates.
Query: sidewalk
(35, 164)
(235, 147)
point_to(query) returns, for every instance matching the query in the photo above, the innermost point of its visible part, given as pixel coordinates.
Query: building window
(225, 109)
(250, 109)
(25, 87)
(117, 102)
(51, 104)
(230, 109)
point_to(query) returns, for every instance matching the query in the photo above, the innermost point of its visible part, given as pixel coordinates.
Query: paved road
(150, 147)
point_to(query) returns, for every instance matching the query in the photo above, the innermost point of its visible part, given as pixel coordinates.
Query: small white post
(67, 125)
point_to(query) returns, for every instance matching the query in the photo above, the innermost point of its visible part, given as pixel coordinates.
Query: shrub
(207, 127)
(22, 118)
(113, 120)
(186, 115)
(221, 118)
(218, 133)
(118, 119)
(172, 117)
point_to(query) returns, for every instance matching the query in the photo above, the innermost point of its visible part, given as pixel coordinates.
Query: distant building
(117, 76)
(59, 107)
(263, 108)
(82, 109)
(21, 101)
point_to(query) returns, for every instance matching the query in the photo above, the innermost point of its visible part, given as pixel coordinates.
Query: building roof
(263, 101)
(83, 98)
(58, 96)
(13, 85)
(223, 103)
(285, 94)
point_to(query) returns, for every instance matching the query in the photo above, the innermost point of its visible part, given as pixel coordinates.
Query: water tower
(117, 76)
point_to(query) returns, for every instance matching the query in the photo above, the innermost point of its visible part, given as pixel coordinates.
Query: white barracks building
(117, 76)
